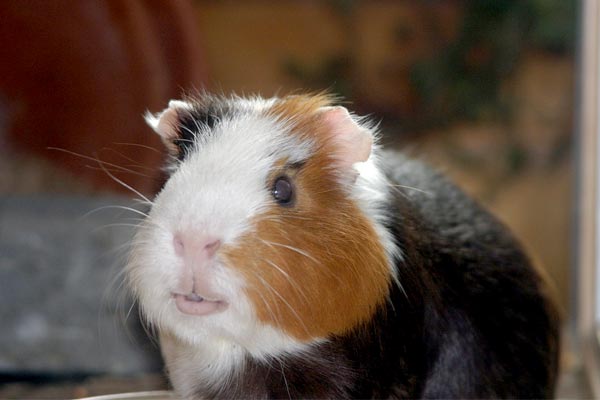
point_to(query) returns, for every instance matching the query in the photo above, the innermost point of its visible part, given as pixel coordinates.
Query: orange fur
(316, 268)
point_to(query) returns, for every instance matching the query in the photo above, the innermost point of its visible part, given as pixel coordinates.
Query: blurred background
(483, 89)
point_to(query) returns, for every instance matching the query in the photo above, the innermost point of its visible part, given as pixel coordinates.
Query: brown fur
(339, 273)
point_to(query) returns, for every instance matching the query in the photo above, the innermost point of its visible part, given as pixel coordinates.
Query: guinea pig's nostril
(178, 245)
(186, 245)
(212, 247)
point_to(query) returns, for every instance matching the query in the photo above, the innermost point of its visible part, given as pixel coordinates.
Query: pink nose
(203, 246)
(196, 254)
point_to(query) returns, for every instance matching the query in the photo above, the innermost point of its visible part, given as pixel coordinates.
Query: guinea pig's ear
(353, 142)
(166, 122)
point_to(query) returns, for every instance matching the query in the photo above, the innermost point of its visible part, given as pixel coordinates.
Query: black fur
(191, 124)
(204, 116)
(470, 320)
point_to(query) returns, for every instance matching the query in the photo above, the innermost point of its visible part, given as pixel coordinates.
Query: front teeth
(194, 297)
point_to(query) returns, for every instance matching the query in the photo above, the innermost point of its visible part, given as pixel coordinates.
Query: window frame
(587, 276)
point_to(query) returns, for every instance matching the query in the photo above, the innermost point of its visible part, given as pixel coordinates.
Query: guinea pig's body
(286, 257)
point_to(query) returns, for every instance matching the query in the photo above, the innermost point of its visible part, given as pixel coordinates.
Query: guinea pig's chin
(190, 327)
(236, 326)
(228, 315)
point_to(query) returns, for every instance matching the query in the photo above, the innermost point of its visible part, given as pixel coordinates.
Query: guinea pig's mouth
(194, 304)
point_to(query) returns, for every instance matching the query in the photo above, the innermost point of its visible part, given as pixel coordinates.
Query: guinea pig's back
(488, 306)
(439, 202)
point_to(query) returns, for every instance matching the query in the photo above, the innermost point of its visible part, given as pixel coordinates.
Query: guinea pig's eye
(283, 191)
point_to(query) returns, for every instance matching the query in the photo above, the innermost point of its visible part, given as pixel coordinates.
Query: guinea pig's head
(269, 231)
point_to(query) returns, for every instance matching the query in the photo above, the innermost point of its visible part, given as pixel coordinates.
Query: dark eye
(283, 191)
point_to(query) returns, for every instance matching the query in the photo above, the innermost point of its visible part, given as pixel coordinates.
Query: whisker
(395, 186)
(276, 293)
(298, 217)
(129, 311)
(142, 202)
(291, 248)
(139, 145)
(293, 284)
(327, 270)
(102, 165)
(276, 318)
(94, 159)
(124, 184)
(135, 163)
(116, 294)
(148, 327)
(125, 208)
(287, 388)
(123, 170)
(278, 269)
(115, 225)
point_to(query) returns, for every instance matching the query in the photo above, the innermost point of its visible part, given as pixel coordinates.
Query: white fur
(371, 192)
(213, 363)
(154, 119)
(216, 191)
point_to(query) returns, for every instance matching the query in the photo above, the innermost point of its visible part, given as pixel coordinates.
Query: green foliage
(463, 80)
(554, 25)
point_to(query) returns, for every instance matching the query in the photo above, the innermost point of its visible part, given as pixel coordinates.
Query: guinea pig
(288, 256)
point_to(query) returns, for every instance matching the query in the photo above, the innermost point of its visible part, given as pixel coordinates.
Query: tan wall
(248, 43)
